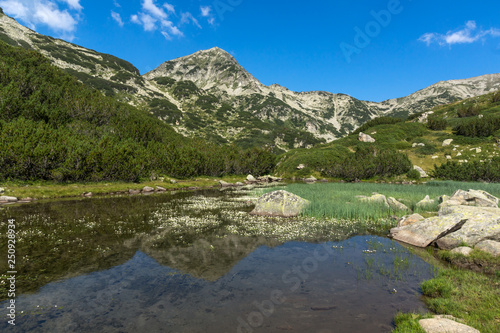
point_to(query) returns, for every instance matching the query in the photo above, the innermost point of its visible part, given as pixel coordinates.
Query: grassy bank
(53, 190)
(470, 296)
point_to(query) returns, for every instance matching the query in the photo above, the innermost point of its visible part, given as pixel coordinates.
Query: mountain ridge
(209, 94)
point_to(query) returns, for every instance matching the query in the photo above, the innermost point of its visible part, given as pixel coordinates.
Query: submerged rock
(279, 203)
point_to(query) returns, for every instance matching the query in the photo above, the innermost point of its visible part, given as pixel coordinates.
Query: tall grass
(338, 200)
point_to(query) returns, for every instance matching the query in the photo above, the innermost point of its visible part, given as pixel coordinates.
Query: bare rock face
(279, 203)
(365, 137)
(439, 324)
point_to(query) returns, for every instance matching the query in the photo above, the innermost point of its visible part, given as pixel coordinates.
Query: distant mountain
(209, 94)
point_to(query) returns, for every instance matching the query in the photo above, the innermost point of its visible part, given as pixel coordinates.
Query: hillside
(210, 95)
(473, 125)
(53, 127)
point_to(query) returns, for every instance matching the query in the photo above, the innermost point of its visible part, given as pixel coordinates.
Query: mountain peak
(207, 69)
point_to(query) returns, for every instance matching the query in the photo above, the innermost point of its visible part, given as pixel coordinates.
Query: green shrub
(472, 171)
(468, 110)
(478, 127)
(377, 121)
(436, 124)
(413, 174)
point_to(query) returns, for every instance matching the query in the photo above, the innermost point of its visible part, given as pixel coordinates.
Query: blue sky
(372, 50)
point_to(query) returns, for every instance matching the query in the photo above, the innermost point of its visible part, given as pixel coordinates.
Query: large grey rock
(471, 198)
(427, 201)
(423, 174)
(147, 189)
(251, 179)
(8, 199)
(375, 198)
(365, 137)
(447, 142)
(427, 231)
(463, 250)
(300, 166)
(410, 219)
(444, 325)
(481, 223)
(490, 246)
(225, 184)
(279, 203)
(311, 179)
(396, 205)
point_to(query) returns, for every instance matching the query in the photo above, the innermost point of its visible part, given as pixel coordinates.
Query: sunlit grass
(338, 200)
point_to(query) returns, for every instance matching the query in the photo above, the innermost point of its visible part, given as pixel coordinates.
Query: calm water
(197, 263)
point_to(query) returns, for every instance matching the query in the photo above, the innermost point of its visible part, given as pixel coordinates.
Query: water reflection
(197, 263)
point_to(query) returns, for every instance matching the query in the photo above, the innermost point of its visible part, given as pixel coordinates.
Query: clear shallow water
(211, 281)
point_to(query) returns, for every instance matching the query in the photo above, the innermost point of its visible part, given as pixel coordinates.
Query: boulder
(88, 194)
(311, 179)
(239, 184)
(130, 191)
(376, 198)
(427, 231)
(471, 198)
(173, 181)
(224, 184)
(482, 223)
(410, 219)
(8, 199)
(396, 205)
(300, 166)
(251, 179)
(365, 137)
(490, 246)
(423, 174)
(463, 250)
(439, 324)
(447, 142)
(160, 189)
(147, 189)
(279, 203)
(427, 201)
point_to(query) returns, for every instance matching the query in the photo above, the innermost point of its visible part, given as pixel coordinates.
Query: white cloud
(205, 11)
(117, 17)
(466, 35)
(46, 12)
(116, 4)
(150, 7)
(152, 17)
(188, 17)
(74, 4)
(170, 8)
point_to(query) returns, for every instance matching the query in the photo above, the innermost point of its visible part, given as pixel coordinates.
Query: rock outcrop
(423, 174)
(279, 203)
(470, 198)
(489, 246)
(365, 137)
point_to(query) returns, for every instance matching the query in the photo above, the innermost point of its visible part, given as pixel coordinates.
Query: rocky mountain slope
(209, 94)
